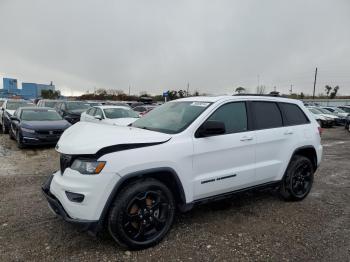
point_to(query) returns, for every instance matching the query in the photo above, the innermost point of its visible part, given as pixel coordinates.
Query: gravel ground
(248, 227)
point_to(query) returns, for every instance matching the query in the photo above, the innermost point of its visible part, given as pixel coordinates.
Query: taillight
(320, 130)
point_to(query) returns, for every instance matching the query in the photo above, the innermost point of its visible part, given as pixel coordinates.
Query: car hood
(46, 125)
(329, 116)
(343, 114)
(10, 112)
(120, 121)
(88, 138)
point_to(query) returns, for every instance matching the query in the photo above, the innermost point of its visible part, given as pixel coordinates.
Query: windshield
(77, 105)
(172, 117)
(50, 103)
(15, 105)
(325, 111)
(40, 115)
(346, 109)
(119, 113)
(338, 110)
(315, 111)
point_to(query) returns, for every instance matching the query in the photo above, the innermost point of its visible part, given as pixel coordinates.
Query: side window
(139, 109)
(267, 115)
(91, 111)
(98, 112)
(233, 115)
(293, 114)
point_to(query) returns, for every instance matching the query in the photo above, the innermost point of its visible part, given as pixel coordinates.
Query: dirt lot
(252, 226)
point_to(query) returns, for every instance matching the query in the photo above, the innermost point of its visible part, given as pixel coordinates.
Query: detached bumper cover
(57, 208)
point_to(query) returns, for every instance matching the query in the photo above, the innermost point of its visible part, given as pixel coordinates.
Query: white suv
(188, 151)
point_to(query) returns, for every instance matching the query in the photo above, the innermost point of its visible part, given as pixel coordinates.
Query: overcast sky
(153, 46)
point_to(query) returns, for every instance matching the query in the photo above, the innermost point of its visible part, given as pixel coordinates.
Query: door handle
(246, 138)
(288, 132)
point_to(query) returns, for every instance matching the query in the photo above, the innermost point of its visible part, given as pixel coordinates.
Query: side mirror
(98, 117)
(14, 118)
(211, 128)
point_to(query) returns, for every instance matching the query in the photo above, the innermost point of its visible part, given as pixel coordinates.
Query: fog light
(75, 197)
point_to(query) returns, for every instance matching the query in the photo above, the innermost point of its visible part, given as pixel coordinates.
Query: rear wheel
(142, 214)
(297, 182)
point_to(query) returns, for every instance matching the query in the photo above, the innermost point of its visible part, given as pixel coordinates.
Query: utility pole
(313, 94)
(291, 89)
(188, 89)
(129, 89)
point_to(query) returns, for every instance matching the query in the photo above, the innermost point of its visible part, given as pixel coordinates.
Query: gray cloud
(159, 45)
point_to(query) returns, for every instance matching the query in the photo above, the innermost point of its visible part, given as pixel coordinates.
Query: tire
(12, 137)
(298, 179)
(142, 207)
(20, 145)
(4, 128)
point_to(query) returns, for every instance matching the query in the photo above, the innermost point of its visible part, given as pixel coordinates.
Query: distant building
(28, 91)
(33, 90)
(10, 88)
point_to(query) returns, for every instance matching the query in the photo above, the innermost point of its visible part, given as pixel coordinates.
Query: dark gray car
(37, 126)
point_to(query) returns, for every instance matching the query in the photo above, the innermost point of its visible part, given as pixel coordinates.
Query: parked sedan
(71, 110)
(322, 120)
(142, 110)
(37, 126)
(338, 120)
(111, 115)
(7, 109)
(47, 103)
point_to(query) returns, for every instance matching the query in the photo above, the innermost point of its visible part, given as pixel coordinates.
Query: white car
(185, 152)
(111, 115)
(322, 120)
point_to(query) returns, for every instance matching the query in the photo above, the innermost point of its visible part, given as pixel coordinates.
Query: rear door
(274, 141)
(225, 163)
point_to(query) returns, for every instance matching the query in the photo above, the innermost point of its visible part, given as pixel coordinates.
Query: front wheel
(142, 214)
(20, 144)
(4, 128)
(297, 181)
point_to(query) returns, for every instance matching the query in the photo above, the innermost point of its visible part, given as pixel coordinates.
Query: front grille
(65, 161)
(50, 132)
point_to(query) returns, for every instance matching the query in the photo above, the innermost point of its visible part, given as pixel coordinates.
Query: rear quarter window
(293, 114)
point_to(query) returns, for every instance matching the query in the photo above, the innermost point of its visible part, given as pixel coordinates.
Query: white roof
(112, 106)
(213, 99)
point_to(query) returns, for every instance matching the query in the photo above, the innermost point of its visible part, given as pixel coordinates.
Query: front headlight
(27, 130)
(88, 167)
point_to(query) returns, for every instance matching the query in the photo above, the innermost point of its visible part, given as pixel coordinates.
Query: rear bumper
(57, 208)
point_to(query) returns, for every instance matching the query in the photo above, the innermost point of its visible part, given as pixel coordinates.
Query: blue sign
(166, 94)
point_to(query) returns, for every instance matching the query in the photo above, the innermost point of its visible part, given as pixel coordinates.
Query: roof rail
(274, 95)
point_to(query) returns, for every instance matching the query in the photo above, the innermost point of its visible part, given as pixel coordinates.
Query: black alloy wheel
(301, 180)
(142, 214)
(298, 179)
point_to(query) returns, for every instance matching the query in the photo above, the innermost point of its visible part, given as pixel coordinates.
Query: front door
(226, 162)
